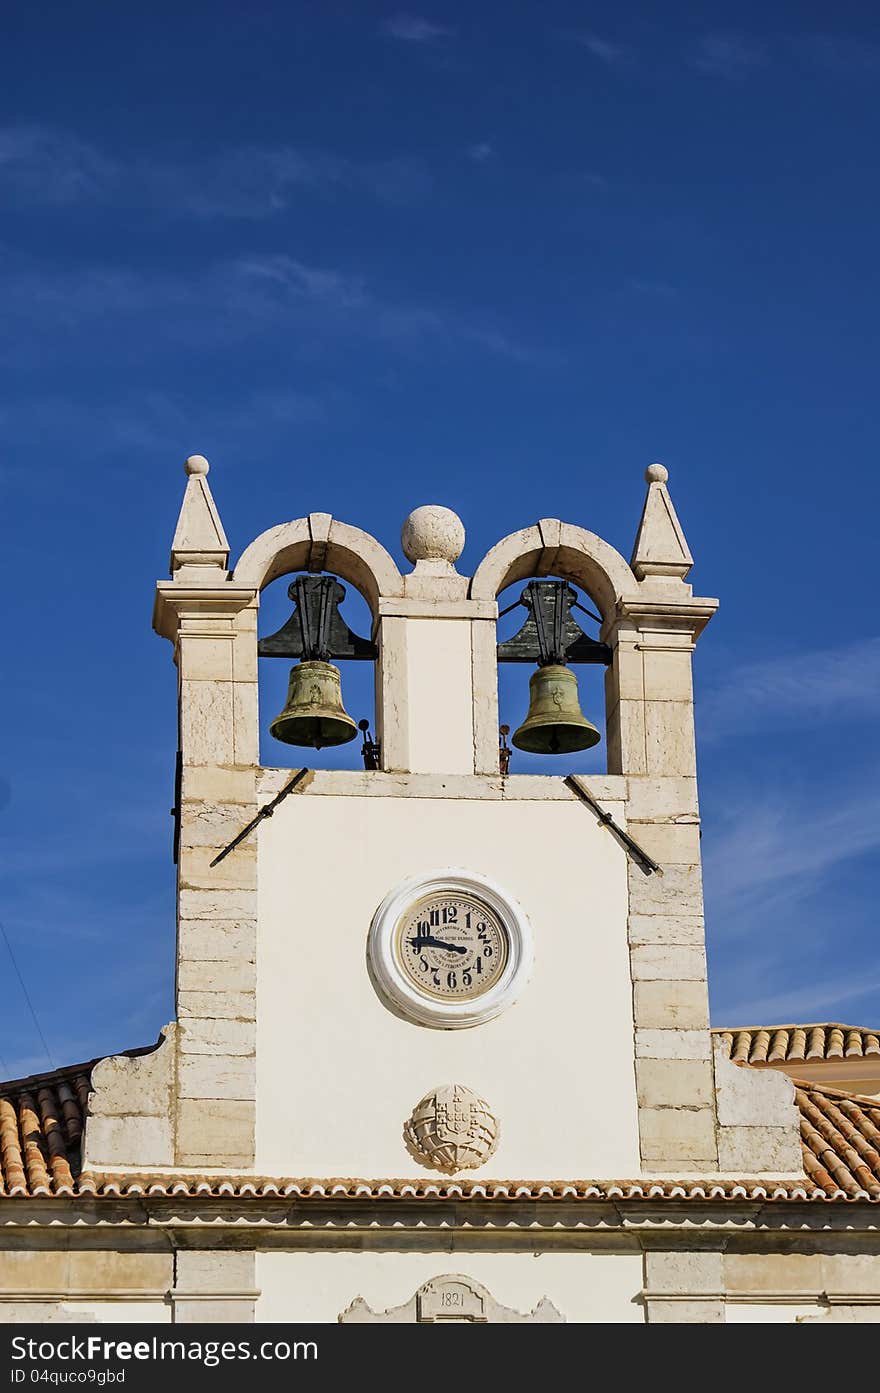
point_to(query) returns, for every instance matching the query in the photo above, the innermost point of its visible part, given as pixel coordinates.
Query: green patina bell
(555, 724)
(313, 713)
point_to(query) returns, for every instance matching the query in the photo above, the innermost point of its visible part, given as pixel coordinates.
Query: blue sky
(496, 256)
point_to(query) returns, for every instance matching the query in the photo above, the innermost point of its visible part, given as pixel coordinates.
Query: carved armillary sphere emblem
(451, 1129)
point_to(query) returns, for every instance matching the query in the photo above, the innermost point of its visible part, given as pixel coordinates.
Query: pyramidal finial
(199, 539)
(661, 548)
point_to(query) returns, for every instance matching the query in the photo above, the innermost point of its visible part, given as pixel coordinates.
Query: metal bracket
(645, 863)
(551, 634)
(266, 811)
(316, 629)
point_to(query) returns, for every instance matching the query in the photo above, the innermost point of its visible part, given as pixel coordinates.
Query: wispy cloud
(840, 683)
(228, 302)
(604, 50)
(773, 847)
(482, 151)
(415, 29)
(823, 1000)
(42, 166)
(728, 56)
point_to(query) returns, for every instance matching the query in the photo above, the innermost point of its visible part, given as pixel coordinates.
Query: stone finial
(661, 548)
(433, 534)
(199, 539)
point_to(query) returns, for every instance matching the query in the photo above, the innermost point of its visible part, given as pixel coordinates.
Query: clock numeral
(478, 965)
(451, 981)
(424, 965)
(435, 978)
(487, 950)
(434, 918)
(482, 932)
(450, 914)
(466, 978)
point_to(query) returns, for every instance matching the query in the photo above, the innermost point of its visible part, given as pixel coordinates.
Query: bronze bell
(555, 724)
(313, 713)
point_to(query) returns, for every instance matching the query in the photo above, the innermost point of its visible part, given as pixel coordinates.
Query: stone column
(651, 741)
(212, 623)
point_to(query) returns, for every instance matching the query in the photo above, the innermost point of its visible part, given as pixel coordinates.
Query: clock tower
(446, 1000)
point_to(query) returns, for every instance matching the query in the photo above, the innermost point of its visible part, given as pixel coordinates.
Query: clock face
(449, 948)
(453, 947)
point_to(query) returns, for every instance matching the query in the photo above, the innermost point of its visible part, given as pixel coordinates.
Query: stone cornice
(173, 599)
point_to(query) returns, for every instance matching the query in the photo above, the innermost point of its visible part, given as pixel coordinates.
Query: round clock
(449, 949)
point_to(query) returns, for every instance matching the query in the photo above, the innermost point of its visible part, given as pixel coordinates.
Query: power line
(27, 996)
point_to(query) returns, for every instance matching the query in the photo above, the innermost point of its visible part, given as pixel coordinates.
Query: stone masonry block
(669, 843)
(206, 722)
(217, 1005)
(668, 675)
(209, 1131)
(669, 738)
(678, 891)
(750, 1097)
(668, 1005)
(238, 870)
(217, 1076)
(99, 1269)
(675, 963)
(630, 722)
(215, 1269)
(128, 1141)
(675, 1083)
(673, 1044)
(206, 659)
(212, 824)
(225, 904)
(246, 737)
(212, 939)
(685, 1271)
(654, 799)
(214, 784)
(223, 1037)
(140, 1084)
(747, 1150)
(773, 1272)
(667, 928)
(677, 1134)
(204, 975)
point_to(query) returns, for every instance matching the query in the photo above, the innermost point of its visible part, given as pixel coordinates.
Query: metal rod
(645, 863)
(266, 811)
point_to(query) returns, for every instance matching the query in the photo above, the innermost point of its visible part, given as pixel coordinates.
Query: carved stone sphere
(432, 533)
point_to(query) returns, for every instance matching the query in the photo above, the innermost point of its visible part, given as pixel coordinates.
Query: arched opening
(514, 691)
(358, 681)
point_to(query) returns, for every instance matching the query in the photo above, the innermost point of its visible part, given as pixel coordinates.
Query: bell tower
(437, 967)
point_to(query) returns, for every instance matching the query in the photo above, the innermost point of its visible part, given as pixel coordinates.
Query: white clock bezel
(400, 993)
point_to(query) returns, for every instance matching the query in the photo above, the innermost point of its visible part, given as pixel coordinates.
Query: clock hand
(428, 941)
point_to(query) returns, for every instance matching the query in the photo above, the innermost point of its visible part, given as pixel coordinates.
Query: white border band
(400, 993)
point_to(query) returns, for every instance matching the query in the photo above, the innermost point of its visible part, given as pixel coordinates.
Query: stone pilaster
(214, 1286)
(212, 623)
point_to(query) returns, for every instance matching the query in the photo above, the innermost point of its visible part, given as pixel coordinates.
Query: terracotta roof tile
(777, 1044)
(42, 1119)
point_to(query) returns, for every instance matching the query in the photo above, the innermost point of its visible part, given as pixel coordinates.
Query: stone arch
(552, 547)
(320, 542)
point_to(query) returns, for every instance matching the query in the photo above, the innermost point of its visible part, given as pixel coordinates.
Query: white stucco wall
(439, 707)
(338, 1074)
(584, 1287)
